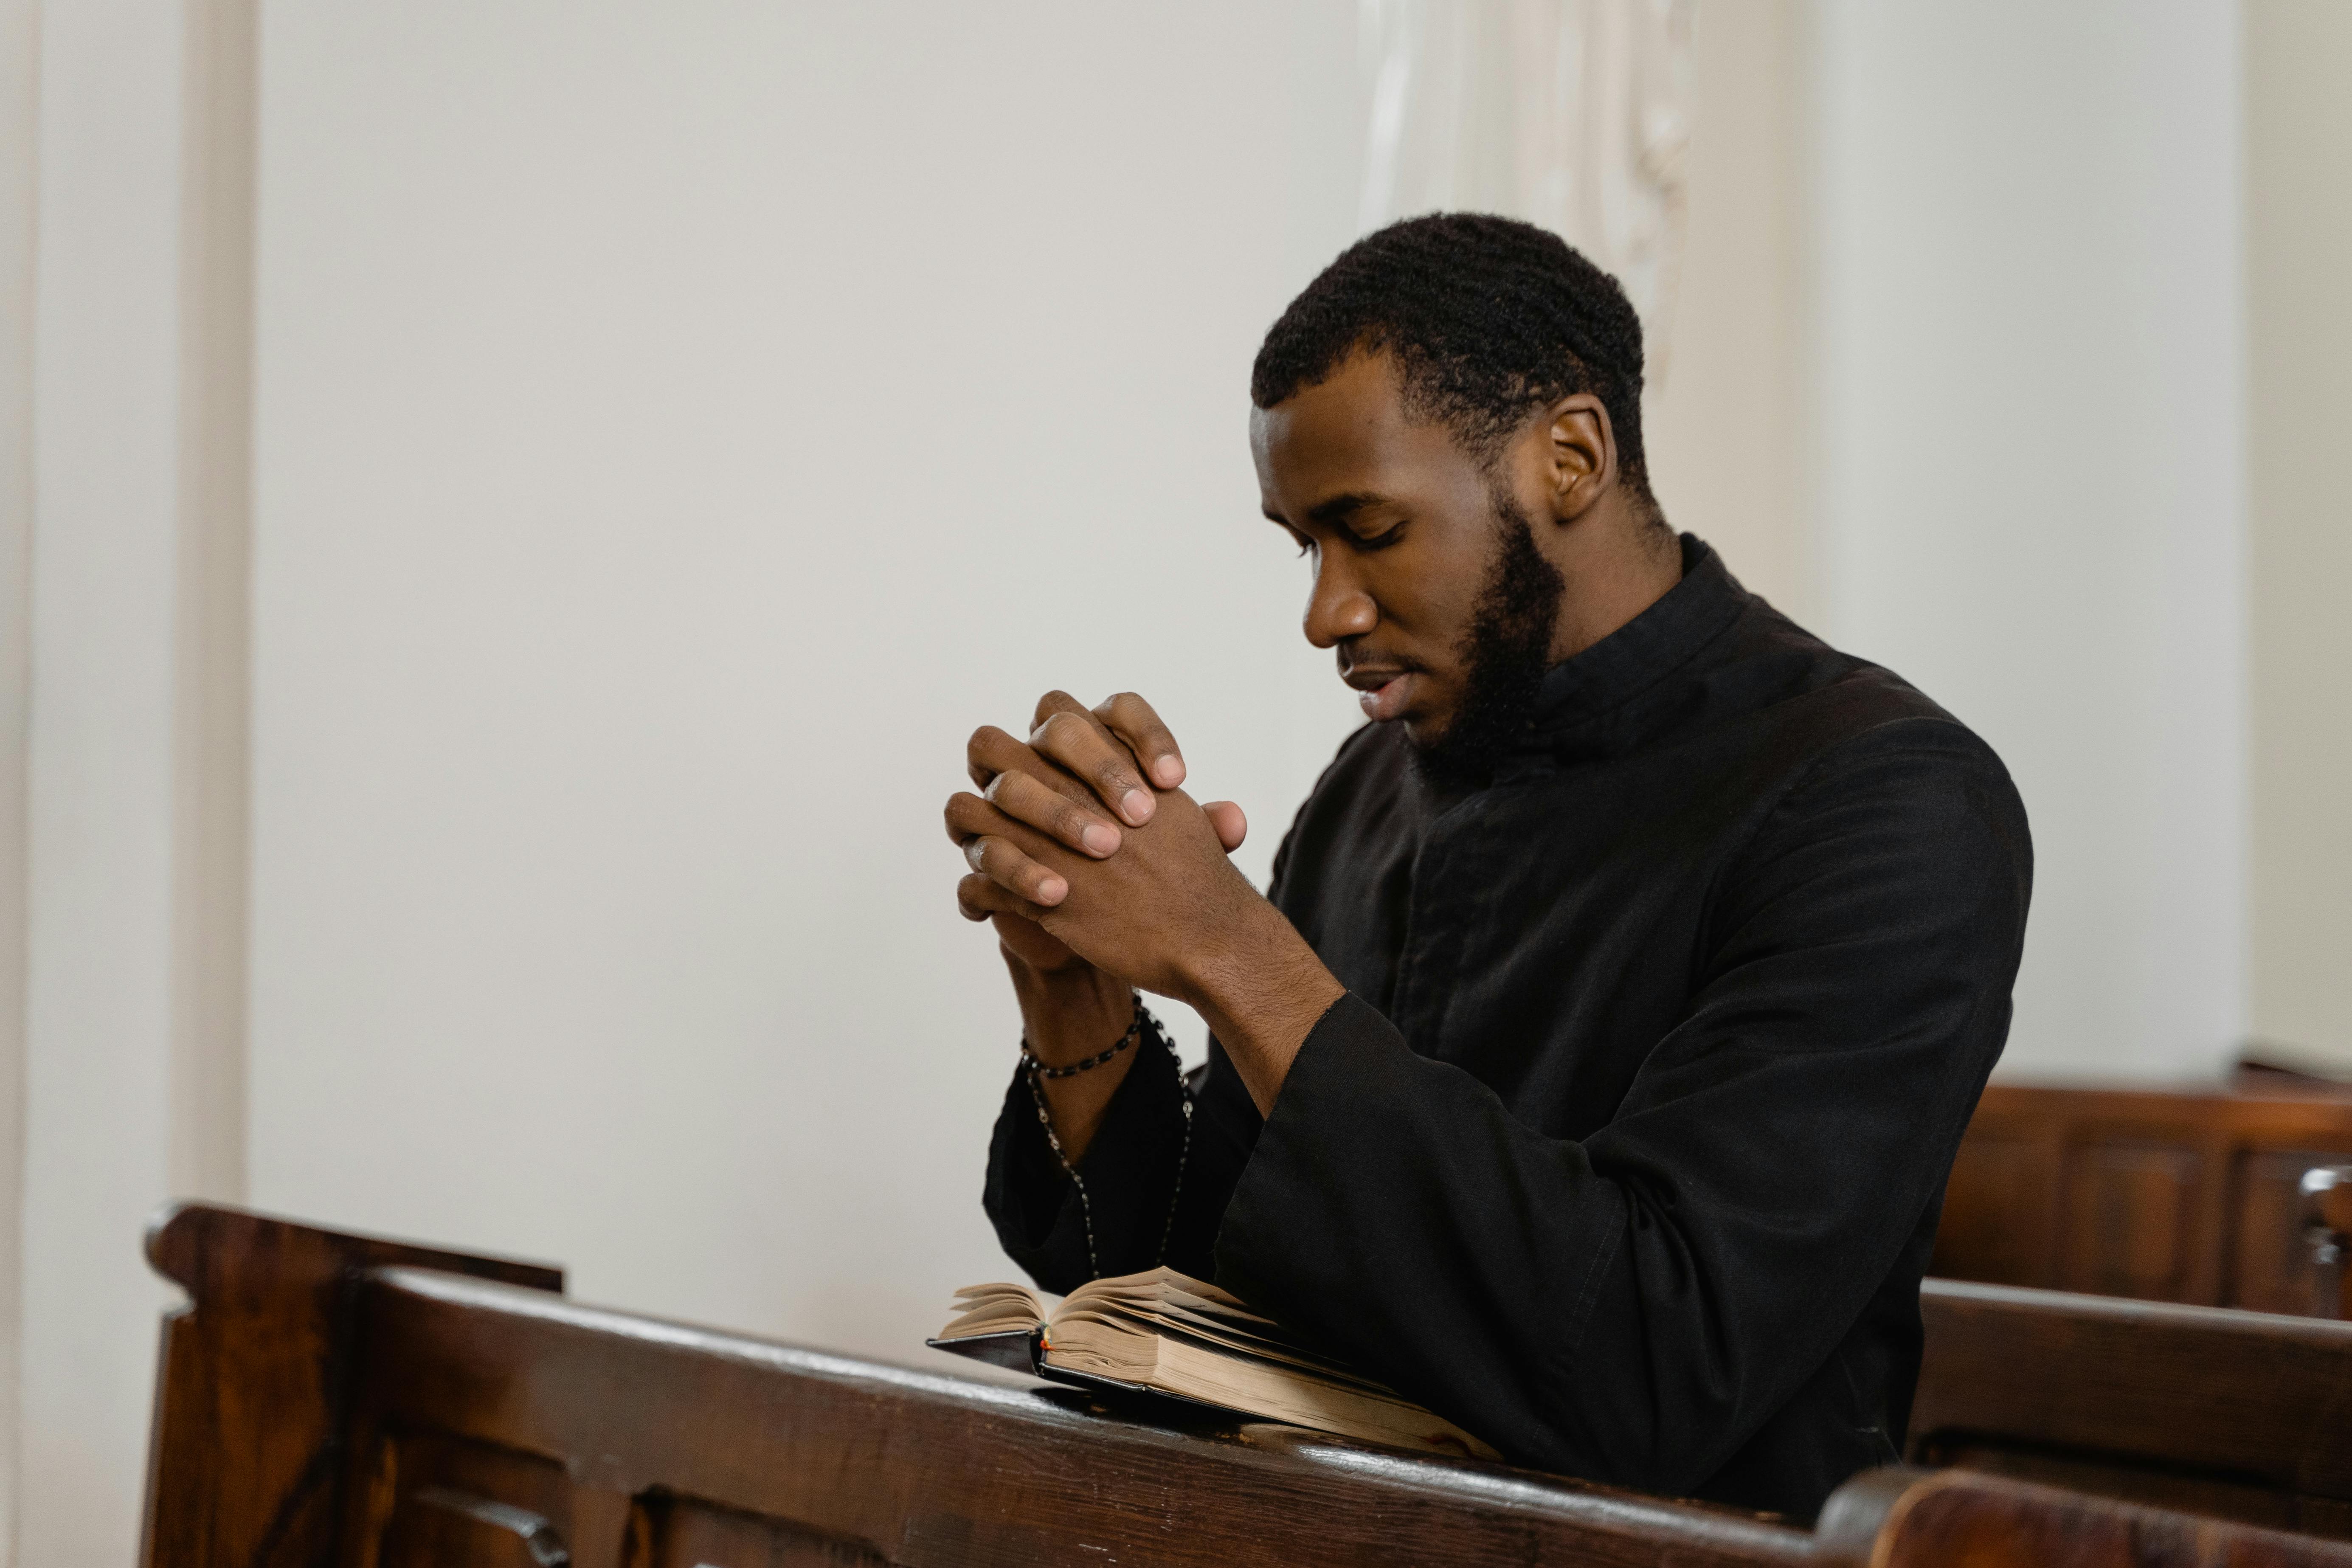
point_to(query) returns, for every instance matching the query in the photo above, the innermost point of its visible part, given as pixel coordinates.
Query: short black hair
(1488, 319)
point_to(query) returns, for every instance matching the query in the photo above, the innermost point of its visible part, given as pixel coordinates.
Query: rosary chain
(1035, 1070)
(1134, 1033)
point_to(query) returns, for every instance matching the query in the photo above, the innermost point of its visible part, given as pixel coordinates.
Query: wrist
(1071, 1014)
(1074, 1067)
(1229, 969)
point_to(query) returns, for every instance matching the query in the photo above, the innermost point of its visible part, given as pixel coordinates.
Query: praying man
(1592, 1068)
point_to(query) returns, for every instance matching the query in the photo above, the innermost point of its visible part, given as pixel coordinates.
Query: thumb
(1226, 818)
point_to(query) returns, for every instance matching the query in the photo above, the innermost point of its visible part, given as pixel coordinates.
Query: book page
(1166, 1331)
(995, 1309)
(1165, 1302)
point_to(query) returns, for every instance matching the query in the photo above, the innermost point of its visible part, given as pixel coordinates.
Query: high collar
(1639, 654)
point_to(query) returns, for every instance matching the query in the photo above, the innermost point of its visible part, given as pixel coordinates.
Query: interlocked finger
(1068, 820)
(1073, 738)
(1137, 727)
(991, 752)
(1002, 849)
(978, 897)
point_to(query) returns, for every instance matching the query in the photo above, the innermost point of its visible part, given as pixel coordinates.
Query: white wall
(2032, 460)
(677, 426)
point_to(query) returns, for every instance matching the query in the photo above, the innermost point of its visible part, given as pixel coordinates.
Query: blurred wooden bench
(2155, 1195)
(332, 1400)
(2241, 1415)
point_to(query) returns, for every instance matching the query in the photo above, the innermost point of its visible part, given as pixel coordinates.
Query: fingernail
(1101, 840)
(1135, 806)
(1052, 891)
(1171, 771)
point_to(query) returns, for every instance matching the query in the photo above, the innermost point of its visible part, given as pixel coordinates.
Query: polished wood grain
(1958, 1517)
(2188, 1197)
(2241, 1415)
(259, 1365)
(460, 1412)
(812, 1458)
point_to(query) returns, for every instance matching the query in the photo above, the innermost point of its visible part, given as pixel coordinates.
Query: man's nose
(1338, 607)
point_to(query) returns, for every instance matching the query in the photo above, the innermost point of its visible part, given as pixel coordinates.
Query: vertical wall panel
(1726, 421)
(2299, 254)
(19, 142)
(212, 739)
(134, 1086)
(101, 809)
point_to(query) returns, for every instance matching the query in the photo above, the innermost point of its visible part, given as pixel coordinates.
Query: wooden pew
(2159, 1195)
(2241, 1415)
(332, 1400)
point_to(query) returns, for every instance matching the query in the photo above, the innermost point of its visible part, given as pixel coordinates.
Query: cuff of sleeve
(1306, 1154)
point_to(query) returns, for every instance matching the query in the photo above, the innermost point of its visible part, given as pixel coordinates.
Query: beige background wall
(2299, 306)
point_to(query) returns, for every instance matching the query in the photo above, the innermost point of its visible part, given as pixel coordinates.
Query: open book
(1165, 1332)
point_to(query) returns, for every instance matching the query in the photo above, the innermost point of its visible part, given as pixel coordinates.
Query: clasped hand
(1083, 850)
(1097, 880)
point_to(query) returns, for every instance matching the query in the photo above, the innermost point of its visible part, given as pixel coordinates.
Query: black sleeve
(1135, 1214)
(1632, 1307)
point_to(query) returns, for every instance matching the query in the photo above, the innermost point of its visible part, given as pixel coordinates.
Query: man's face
(1421, 568)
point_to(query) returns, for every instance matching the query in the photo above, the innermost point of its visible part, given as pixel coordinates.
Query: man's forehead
(1347, 434)
(1356, 402)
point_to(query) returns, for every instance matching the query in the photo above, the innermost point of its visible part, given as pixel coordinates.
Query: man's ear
(1581, 452)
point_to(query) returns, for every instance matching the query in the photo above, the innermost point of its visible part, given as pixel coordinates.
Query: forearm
(1262, 989)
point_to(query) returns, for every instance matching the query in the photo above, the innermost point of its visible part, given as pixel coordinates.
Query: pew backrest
(2245, 1415)
(2156, 1194)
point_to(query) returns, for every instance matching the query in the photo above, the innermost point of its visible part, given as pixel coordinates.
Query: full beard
(1505, 654)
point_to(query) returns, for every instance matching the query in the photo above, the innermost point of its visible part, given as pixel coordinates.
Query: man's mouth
(1382, 693)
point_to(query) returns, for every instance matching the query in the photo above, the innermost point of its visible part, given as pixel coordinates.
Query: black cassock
(1626, 1146)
